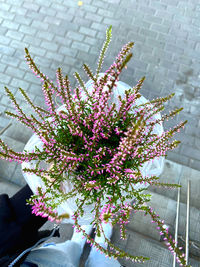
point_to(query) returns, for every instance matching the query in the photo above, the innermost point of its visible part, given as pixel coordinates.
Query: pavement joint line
(4, 129)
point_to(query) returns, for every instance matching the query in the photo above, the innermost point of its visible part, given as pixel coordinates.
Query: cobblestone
(40, 25)
(27, 30)
(80, 46)
(32, 41)
(49, 46)
(5, 78)
(22, 20)
(5, 40)
(93, 16)
(87, 31)
(15, 35)
(12, 71)
(6, 15)
(75, 36)
(10, 25)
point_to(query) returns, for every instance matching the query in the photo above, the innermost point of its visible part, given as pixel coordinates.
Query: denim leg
(96, 259)
(53, 256)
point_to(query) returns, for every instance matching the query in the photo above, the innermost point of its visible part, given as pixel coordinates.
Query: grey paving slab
(175, 173)
(11, 171)
(8, 188)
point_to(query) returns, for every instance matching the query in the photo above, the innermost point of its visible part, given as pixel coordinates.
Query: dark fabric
(30, 264)
(18, 226)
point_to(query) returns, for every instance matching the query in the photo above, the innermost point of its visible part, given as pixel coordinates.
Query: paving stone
(60, 31)
(18, 45)
(194, 163)
(43, 3)
(41, 61)
(106, 13)
(62, 40)
(65, 68)
(89, 8)
(160, 28)
(5, 40)
(19, 11)
(5, 6)
(94, 17)
(173, 48)
(36, 90)
(190, 152)
(90, 41)
(22, 20)
(61, 7)
(5, 78)
(37, 51)
(98, 3)
(45, 35)
(35, 15)
(27, 30)
(99, 27)
(31, 6)
(6, 50)
(49, 46)
(14, 35)
(47, 11)
(18, 177)
(87, 31)
(8, 188)
(14, 2)
(62, 15)
(2, 67)
(149, 33)
(68, 51)
(40, 24)
(14, 72)
(52, 20)
(10, 25)
(7, 169)
(4, 121)
(175, 173)
(19, 83)
(80, 46)
(32, 41)
(6, 15)
(75, 36)
(141, 23)
(52, 55)
(30, 77)
(109, 21)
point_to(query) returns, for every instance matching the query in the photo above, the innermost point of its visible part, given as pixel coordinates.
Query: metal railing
(187, 224)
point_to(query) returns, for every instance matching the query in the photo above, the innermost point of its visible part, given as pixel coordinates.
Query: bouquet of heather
(98, 147)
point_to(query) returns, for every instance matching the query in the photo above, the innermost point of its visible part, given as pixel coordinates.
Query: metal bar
(176, 226)
(187, 224)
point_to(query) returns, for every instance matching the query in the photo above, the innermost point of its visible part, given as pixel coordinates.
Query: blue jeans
(51, 256)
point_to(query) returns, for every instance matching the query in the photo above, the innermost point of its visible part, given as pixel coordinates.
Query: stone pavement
(61, 33)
